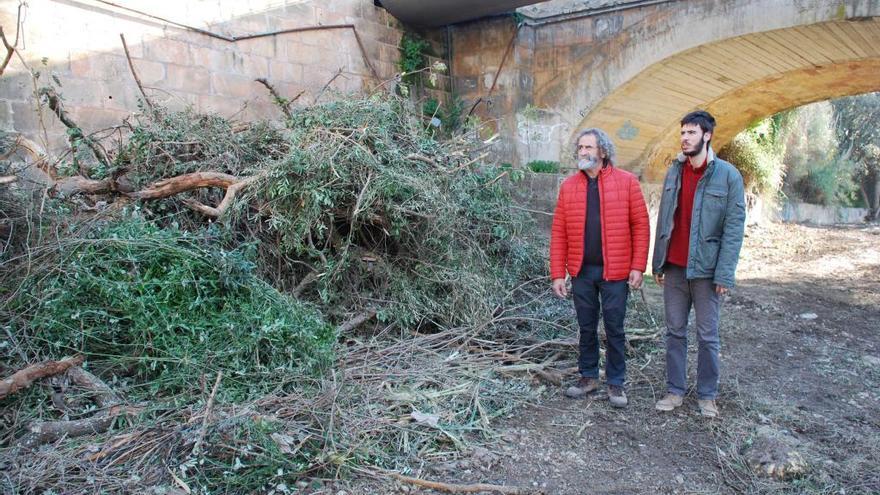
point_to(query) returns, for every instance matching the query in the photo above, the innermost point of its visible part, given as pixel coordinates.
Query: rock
(773, 454)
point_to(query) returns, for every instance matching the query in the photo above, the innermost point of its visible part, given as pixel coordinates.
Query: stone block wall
(179, 63)
(549, 61)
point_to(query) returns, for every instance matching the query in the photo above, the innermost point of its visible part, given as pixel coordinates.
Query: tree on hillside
(816, 172)
(858, 133)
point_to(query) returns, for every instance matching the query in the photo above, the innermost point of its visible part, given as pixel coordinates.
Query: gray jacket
(717, 221)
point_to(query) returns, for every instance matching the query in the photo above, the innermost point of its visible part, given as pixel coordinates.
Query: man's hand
(721, 290)
(635, 279)
(659, 278)
(559, 287)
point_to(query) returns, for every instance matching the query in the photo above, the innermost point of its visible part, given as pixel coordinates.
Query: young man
(600, 237)
(699, 235)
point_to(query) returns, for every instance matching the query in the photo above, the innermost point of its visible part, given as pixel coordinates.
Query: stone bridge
(634, 68)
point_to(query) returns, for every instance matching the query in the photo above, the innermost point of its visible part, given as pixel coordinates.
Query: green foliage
(817, 173)
(431, 107)
(243, 457)
(412, 57)
(172, 143)
(797, 151)
(387, 217)
(829, 182)
(449, 114)
(161, 306)
(753, 153)
(857, 121)
(543, 166)
(356, 209)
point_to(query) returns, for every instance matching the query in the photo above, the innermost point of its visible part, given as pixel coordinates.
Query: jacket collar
(605, 170)
(710, 157)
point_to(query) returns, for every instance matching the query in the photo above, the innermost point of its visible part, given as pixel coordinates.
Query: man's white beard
(587, 164)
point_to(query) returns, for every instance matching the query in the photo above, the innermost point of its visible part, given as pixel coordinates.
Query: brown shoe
(617, 396)
(708, 408)
(668, 403)
(582, 388)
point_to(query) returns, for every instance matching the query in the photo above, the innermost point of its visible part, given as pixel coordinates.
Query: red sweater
(625, 230)
(679, 241)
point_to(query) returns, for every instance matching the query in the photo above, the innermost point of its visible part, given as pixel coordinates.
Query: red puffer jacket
(624, 218)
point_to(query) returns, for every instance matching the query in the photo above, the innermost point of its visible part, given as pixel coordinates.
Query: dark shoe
(582, 388)
(617, 396)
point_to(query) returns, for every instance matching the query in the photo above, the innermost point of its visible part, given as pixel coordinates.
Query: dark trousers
(588, 289)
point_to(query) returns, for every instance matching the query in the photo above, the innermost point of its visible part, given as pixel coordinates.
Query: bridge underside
(738, 80)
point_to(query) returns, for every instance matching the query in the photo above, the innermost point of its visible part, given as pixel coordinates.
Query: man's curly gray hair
(603, 142)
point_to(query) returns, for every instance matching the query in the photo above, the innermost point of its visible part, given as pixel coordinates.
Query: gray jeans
(679, 294)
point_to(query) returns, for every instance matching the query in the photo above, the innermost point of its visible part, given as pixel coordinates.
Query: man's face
(587, 148)
(693, 139)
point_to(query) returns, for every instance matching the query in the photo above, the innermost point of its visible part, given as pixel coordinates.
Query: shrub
(161, 306)
(543, 166)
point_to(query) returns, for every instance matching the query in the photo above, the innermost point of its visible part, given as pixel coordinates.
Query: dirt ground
(800, 382)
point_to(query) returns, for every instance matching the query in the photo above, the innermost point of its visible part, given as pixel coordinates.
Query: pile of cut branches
(372, 215)
(199, 266)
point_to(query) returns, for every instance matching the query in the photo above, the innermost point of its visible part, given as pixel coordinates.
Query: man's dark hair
(701, 118)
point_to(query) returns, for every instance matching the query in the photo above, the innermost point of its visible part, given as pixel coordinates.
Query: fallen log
(104, 395)
(105, 398)
(50, 431)
(24, 378)
(459, 488)
(197, 180)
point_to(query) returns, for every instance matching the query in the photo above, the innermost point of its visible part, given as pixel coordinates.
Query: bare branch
(24, 378)
(55, 105)
(137, 79)
(457, 488)
(356, 321)
(105, 396)
(77, 184)
(50, 431)
(197, 180)
(280, 100)
(308, 279)
(10, 50)
(327, 84)
(187, 182)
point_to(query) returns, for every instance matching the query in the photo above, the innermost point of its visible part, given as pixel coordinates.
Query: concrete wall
(819, 215)
(78, 42)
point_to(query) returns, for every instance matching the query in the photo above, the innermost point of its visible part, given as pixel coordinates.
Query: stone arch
(739, 80)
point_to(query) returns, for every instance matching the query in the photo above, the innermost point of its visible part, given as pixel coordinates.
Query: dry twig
(198, 445)
(137, 79)
(10, 48)
(282, 102)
